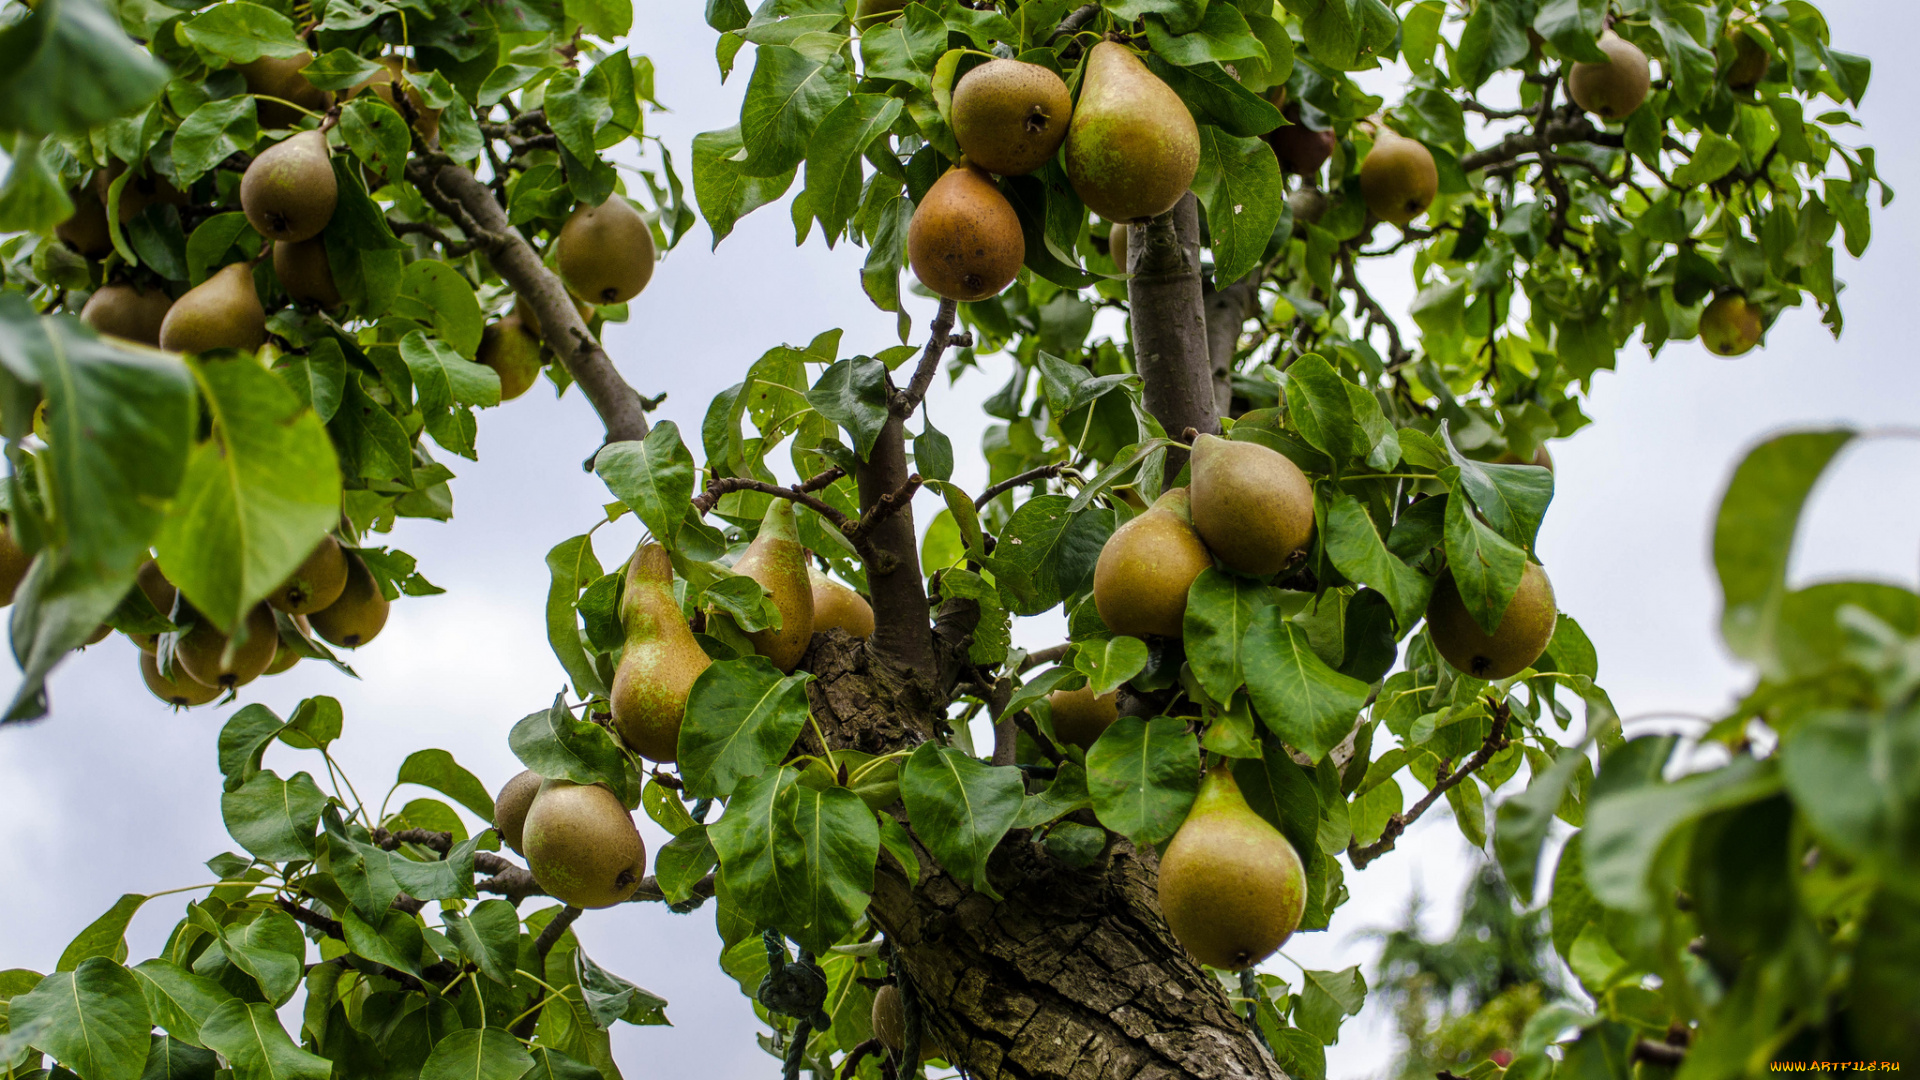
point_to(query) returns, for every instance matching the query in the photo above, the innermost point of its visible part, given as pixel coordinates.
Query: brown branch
(1005, 728)
(1047, 655)
(704, 502)
(1044, 472)
(433, 233)
(650, 892)
(1495, 742)
(1576, 128)
(822, 481)
(391, 841)
(1075, 19)
(888, 505)
(543, 944)
(1397, 353)
(904, 403)
(309, 917)
(851, 1064)
(1168, 317)
(1659, 1053)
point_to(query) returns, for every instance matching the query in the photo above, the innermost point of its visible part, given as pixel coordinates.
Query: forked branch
(1495, 742)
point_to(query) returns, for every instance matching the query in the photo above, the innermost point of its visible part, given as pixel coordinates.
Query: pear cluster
(331, 594)
(578, 839)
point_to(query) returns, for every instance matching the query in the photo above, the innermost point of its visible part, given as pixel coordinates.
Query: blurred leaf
(70, 67)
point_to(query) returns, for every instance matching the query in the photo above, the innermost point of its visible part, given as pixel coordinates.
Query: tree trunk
(1227, 311)
(1170, 341)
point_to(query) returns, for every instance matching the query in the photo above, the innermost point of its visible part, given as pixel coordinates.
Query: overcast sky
(113, 793)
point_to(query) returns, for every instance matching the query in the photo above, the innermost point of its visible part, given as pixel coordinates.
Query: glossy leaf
(1143, 776)
(1297, 695)
(960, 808)
(99, 1022)
(742, 717)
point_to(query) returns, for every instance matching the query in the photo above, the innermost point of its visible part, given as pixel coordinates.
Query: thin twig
(905, 402)
(1044, 472)
(543, 944)
(851, 1064)
(391, 841)
(886, 506)
(704, 502)
(1075, 19)
(1044, 656)
(1495, 742)
(1350, 279)
(821, 481)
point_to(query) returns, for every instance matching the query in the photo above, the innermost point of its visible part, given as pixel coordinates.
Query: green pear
(1252, 506)
(659, 661)
(1232, 888)
(890, 1024)
(289, 191)
(1080, 716)
(511, 805)
(1009, 117)
(776, 560)
(1525, 629)
(280, 77)
(359, 614)
(182, 692)
(1613, 89)
(161, 593)
(305, 273)
(513, 352)
(581, 845)
(85, 230)
(1145, 568)
(1132, 147)
(317, 583)
(1730, 326)
(1398, 179)
(835, 605)
(128, 312)
(222, 312)
(215, 659)
(605, 252)
(964, 241)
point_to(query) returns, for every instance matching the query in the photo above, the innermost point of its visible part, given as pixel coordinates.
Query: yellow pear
(1145, 568)
(289, 191)
(513, 352)
(1613, 89)
(511, 805)
(1079, 716)
(659, 661)
(128, 311)
(1132, 148)
(305, 273)
(605, 252)
(581, 845)
(1730, 326)
(222, 312)
(184, 692)
(1252, 506)
(1232, 888)
(1398, 179)
(1009, 117)
(964, 241)
(835, 605)
(776, 560)
(1525, 630)
(358, 615)
(317, 583)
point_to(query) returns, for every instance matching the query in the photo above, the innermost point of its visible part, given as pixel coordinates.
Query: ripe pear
(1145, 568)
(1524, 631)
(605, 252)
(305, 273)
(658, 662)
(1132, 148)
(1252, 506)
(1079, 716)
(280, 77)
(964, 241)
(890, 1024)
(128, 311)
(184, 692)
(317, 583)
(382, 83)
(1117, 247)
(511, 805)
(513, 352)
(161, 593)
(1231, 887)
(14, 562)
(1009, 117)
(530, 318)
(85, 230)
(776, 560)
(289, 191)
(581, 845)
(1750, 59)
(835, 605)
(203, 651)
(1398, 179)
(1730, 326)
(357, 616)
(1613, 89)
(222, 312)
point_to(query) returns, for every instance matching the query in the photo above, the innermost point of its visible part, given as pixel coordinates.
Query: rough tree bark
(1170, 346)
(1227, 312)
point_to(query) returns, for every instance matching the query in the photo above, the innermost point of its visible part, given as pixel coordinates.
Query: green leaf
(104, 936)
(1854, 775)
(551, 1064)
(571, 567)
(853, 394)
(257, 497)
(1318, 404)
(828, 866)
(1108, 662)
(1143, 777)
(683, 861)
(560, 746)
(1028, 557)
(70, 67)
(905, 49)
(742, 717)
(1626, 829)
(933, 453)
(210, 135)
(788, 96)
(272, 950)
(256, 1047)
(747, 839)
(1513, 498)
(488, 935)
(436, 769)
(1574, 27)
(1217, 98)
(241, 33)
(438, 296)
(442, 379)
(1485, 567)
(1220, 608)
(33, 199)
(273, 818)
(1753, 535)
(608, 19)
(1221, 35)
(1521, 823)
(654, 477)
(834, 154)
(395, 942)
(339, 69)
(1240, 183)
(1326, 999)
(960, 808)
(99, 1019)
(724, 190)
(1300, 698)
(610, 998)
(177, 999)
(1357, 551)
(362, 251)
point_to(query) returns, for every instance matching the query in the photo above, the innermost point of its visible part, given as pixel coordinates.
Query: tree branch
(1075, 19)
(543, 944)
(1170, 345)
(1227, 312)
(1563, 129)
(455, 191)
(1044, 472)
(1495, 742)
(905, 402)
(1397, 353)
(436, 841)
(704, 502)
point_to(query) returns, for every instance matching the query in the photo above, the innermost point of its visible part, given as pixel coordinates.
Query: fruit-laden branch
(1170, 341)
(1044, 472)
(1495, 742)
(454, 191)
(516, 883)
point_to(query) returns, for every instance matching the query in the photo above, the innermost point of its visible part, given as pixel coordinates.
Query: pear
(85, 230)
(1730, 326)
(513, 352)
(1252, 506)
(285, 656)
(1231, 887)
(1525, 629)
(14, 562)
(222, 312)
(581, 845)
(890, 1024)
(530, 318)
(1309, 205)
(184, 691)
(357, 616)
(1009, 117)
(305, 273)
(659, 661)
(289, 191)
(1750, 58)
(381, 83)
(317, 583)
(873, 12)
(161, 593)
(213, 658)
(1117, 247)
(1613, 89)
(1145, 568)
(99, 635)
(835, 605)
(1398, 179)
(1301, 149)
(128, 311)
(511, 805)
(279, 77)
(145, 189)
(1132, 148)
(776, 560)
(964, 241)
(1079, 716)
(605, 252)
